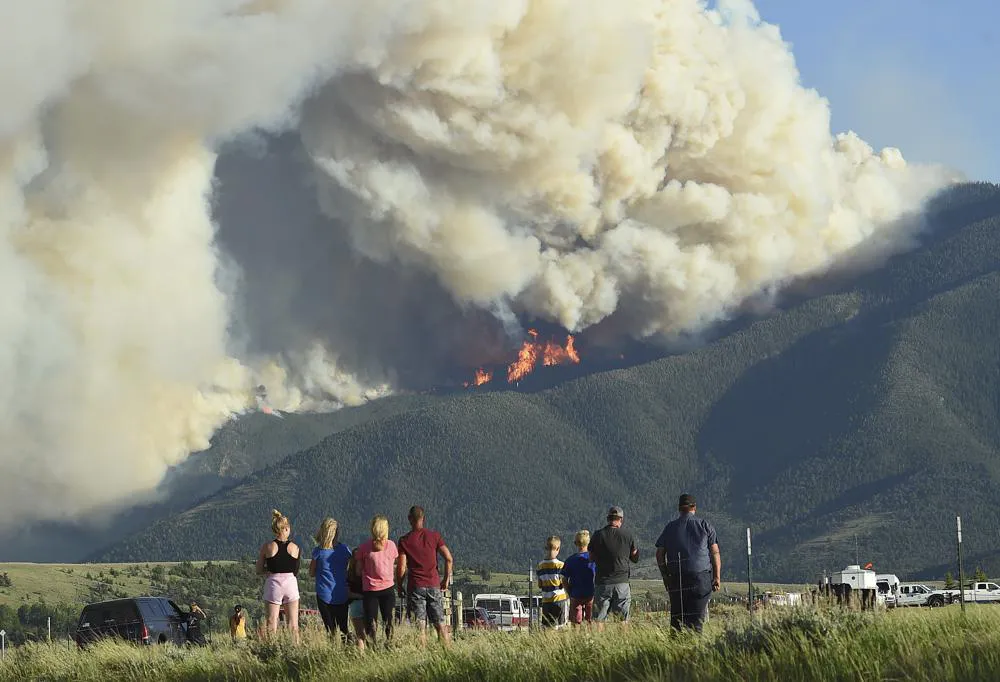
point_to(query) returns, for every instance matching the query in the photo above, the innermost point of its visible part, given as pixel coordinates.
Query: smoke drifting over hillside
(452, 166)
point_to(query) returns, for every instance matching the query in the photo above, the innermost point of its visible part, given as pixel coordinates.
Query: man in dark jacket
(687, 554)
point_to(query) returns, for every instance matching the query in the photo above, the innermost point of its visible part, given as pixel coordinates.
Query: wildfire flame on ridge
(483, 376)
(532, 354)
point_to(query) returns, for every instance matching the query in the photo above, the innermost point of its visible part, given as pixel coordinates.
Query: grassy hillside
(73, 583)
(864, 417)
(79, 584)
(31, 593)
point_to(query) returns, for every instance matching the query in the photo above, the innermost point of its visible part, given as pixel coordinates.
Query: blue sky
(921, 75)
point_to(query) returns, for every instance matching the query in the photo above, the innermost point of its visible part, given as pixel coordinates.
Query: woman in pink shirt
(376, 560)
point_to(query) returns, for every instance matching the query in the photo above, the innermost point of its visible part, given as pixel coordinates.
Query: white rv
(506, 610)
(888, 589)
(856, 577)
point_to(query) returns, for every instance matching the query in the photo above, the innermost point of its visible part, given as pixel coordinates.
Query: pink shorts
(281, 588)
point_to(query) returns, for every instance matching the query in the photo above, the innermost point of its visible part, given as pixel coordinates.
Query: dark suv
(477, 618)
(143, 620)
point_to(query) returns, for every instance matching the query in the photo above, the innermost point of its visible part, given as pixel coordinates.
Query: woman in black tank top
(278, 561)
(282, 561)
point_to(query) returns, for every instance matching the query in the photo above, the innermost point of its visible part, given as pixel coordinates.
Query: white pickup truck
(976, 592)
(917, 594)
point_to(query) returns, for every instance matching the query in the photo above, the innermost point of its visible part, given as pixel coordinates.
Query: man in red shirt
(418, 552)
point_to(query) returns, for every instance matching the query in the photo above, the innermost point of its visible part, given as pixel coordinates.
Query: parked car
(477, 618)
(142, 620)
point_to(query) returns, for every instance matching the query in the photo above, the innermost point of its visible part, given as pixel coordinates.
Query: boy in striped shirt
(550, 583)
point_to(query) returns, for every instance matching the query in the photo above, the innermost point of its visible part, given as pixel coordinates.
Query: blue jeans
(615, 598)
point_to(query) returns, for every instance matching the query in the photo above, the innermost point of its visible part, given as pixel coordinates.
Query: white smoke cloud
(572, 161)
(647, 155)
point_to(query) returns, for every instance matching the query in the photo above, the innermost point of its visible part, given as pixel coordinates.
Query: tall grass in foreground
(913, 645)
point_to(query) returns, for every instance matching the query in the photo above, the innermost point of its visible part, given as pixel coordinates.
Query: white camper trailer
(858, 578)
(855, 583)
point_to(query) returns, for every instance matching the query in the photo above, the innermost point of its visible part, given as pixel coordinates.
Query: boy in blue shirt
(578, 575)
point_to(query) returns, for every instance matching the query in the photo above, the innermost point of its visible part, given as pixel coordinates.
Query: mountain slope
(867, 416)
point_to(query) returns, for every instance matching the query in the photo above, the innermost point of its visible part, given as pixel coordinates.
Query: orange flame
(532, 354)
(554, 354)
(483, 376)
(527, 357)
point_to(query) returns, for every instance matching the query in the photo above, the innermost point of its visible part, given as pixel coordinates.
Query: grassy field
(912, 645)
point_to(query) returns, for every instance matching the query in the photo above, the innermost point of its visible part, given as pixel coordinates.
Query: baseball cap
(616, 511)
(686, 500)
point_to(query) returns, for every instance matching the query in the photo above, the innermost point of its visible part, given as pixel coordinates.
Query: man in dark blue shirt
(687, 554)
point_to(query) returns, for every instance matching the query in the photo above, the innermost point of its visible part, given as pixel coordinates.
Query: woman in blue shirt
(329, 567)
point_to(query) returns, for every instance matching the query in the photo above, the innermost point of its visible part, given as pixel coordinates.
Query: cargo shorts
(426, 604)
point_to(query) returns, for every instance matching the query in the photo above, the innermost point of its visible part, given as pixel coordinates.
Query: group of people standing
(594, 582)
(355, 587)
(358, 586)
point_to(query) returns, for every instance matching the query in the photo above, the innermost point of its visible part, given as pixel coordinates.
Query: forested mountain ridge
(868, 412)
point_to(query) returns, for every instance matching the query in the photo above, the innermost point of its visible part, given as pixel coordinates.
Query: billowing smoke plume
(405, 178)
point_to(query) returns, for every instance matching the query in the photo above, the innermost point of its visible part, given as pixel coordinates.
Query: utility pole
(3, 644)
(749, 578)
(531, 603)
(961, 570)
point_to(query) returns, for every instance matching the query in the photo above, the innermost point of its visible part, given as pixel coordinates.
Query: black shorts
(553, 614)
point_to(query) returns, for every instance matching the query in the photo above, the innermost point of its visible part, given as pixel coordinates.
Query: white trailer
(888, 589)
(855, 582)
(856, 577)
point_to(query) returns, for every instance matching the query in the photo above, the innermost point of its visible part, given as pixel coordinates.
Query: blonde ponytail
(279, 522)
(327, 533)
